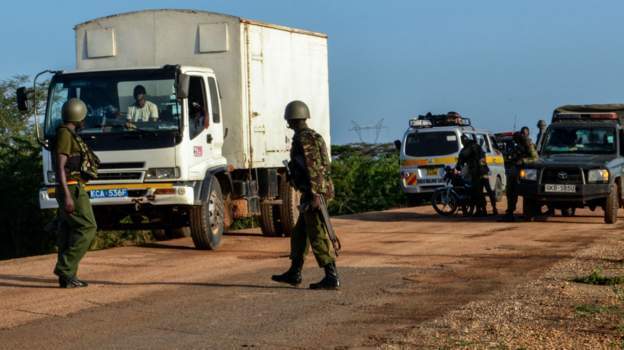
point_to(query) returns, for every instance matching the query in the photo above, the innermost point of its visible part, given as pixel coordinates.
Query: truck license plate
(560, 188)
(432, 172)
(110, 193)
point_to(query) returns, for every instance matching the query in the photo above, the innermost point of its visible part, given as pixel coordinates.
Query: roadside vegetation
(366, 177)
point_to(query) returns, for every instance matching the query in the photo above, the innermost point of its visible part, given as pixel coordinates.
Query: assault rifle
(324, 214)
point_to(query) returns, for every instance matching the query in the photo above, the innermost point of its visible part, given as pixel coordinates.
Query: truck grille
(126, 165)
(119, 176)
(562, 176)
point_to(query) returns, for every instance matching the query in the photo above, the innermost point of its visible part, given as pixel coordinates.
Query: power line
(359, 129)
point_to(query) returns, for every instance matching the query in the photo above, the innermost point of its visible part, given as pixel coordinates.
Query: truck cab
(430, 144)
(581, 162)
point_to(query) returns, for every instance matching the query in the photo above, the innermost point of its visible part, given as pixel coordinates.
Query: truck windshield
(422, 144)
(118, 102)
(581, 139)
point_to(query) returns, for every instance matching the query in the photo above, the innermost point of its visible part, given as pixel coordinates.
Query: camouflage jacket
(310, 161)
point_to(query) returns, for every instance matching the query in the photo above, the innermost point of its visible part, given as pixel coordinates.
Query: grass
(597, 278)
(592, 309)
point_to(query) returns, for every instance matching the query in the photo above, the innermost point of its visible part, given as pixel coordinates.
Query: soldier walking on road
(523, 153)
(309, 169)
(75, 163)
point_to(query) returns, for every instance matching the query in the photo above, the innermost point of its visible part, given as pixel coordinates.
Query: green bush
(365, 183)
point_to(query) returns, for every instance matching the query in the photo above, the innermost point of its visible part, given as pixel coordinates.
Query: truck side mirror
(397, 145)
(22, 99)
(182, 86)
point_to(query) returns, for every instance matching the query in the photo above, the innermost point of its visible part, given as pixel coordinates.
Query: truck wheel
(289, 210)
(499, 189)
(529, 209)
(207, 219)
(269, 220)
(171, 233)
(611, 206)
(160, 234)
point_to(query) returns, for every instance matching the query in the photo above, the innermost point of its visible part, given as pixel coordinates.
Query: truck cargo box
(260, 67)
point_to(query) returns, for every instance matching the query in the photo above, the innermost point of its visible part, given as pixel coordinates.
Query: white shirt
(148, 112)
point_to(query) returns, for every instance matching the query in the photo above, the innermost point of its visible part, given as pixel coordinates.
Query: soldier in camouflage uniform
(76, 222)
(309, 169)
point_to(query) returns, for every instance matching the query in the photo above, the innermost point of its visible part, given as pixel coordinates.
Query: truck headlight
(162, 173)
(528, 174)
(598, 175)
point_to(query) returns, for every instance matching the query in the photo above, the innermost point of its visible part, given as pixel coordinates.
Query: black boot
(330, 281)
(71, 282)
(292, 276)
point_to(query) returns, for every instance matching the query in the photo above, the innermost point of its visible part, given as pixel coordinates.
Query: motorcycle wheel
(444, 202)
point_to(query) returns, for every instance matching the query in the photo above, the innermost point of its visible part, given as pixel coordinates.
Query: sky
(493, 61)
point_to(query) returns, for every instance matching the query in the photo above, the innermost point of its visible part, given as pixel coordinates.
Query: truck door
(206, 136)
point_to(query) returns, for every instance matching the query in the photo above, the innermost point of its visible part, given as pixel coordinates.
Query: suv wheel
(612, 205)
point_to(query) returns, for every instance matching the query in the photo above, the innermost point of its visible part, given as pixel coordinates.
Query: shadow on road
(45, 282)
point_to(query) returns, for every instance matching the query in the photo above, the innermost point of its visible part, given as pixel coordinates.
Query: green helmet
(74, 110)
(296, 110)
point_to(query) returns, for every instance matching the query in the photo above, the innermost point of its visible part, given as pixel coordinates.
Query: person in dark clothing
(523, 153)
(472, 157)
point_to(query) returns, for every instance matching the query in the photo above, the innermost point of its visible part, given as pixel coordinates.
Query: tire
(444, 202)
(529, 209)
(611, 206)
(207, 219)
(269, 220)
(160, 234)
(171, 233)
(289, 210)
(499, 189)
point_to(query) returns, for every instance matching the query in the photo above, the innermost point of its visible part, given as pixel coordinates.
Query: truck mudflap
(584, 192)
(128, 194)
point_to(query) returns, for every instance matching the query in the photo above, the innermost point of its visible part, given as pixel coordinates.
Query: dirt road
(399, 268)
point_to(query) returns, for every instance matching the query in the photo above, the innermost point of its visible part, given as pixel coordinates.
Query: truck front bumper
(138, 194)
(584, 193)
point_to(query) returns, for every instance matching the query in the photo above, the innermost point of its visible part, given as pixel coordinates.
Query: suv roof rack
(438, 120)
(614, 112)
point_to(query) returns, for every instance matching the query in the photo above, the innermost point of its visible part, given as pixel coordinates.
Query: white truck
(213, 150)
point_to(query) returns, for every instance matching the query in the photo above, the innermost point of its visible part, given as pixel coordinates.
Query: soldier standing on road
(473, 157)
(76, 222)
(523, 153)
(309, 168)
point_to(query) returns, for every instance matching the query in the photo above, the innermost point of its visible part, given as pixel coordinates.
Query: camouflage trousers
(75, 231)
(310, 231)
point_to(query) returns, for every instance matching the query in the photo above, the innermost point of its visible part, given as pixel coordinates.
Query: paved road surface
(399, 268)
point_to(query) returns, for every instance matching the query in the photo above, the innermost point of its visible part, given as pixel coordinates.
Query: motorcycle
(454, 196)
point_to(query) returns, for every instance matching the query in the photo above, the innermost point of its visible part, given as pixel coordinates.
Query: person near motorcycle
(471, 160)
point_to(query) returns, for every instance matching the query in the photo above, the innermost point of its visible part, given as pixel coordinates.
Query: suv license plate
(560, 188)
(110, 193)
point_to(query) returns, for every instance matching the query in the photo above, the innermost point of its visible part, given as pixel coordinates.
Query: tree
(23, 223)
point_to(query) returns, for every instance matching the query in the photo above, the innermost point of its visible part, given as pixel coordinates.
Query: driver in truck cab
(142, 110)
